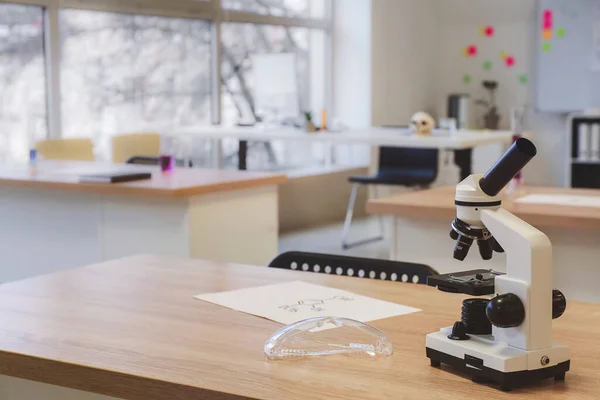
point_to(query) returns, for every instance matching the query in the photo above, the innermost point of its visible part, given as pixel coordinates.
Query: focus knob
(459, 332)
(559, 303)
(505, 311)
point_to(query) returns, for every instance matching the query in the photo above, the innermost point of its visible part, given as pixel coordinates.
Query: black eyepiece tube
(513, 161)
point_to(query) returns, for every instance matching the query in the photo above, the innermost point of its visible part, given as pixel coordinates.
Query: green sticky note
(467, 79)
(524, 79)
(560, 32)
(487, 65)
(547, 46)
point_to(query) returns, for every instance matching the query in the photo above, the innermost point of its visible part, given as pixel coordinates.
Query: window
(280, 8)
(241, 44)
(22, 80)
(124, 66)
(125, 73)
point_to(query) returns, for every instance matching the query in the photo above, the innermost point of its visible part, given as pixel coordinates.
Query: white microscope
(508, 339)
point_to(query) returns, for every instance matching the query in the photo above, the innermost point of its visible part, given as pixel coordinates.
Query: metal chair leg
(348, 223)
(349, 214)
(379, 216)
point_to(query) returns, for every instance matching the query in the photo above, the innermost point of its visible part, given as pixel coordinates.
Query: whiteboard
(276, 84)
(568, 73)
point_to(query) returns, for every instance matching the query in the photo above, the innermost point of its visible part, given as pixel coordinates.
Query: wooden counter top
(131, 329)
(439, 203)
(182, 182)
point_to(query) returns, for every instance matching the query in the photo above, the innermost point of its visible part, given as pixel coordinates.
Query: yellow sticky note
(547, 34)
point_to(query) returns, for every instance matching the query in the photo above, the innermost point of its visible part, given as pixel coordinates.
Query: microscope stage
(486, 359)
(479, 282)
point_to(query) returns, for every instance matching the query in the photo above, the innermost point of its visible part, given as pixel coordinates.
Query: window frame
(208, 10)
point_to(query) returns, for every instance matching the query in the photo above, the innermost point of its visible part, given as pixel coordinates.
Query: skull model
(422, 124)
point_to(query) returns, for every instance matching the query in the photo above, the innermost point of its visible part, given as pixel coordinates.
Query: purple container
(167, 163)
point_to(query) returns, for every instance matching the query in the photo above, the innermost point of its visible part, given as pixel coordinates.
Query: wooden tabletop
(181, 182)
(131, 329)
(439, 203)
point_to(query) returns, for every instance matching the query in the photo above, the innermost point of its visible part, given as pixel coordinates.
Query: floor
(327, 239)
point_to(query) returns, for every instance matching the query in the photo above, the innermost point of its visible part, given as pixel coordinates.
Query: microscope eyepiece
(513, 161)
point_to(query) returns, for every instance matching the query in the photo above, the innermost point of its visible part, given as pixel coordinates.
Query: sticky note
(510, 61)
(547, 34)
(467, 79)
(547, 47)
(523, 79)
(487, 31)
(547, 19)
(471, 51)
(560, 32)
(487, 65)
(503, 55)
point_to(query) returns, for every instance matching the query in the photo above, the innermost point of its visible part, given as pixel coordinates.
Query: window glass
(22, 80)
(302, 51)
(126, 73)
(280, 8)
(241, 44)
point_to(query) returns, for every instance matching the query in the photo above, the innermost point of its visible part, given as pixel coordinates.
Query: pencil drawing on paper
(314, 304)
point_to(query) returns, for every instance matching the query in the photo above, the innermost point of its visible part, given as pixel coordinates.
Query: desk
(51, 221)
(421, 223)
(131, 329)
(372, 136)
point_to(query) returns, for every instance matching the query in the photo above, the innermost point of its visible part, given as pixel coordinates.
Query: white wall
(458, 28)
(351, 67)
(403, 59)
(417, 62)
(352, 62)
(515, 25)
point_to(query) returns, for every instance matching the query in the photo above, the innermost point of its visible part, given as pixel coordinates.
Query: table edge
(118, 189)
(85, 378)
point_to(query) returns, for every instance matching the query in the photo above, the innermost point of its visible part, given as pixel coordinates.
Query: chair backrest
(125, 147)
(391, 158)
(145, 160)
(354, 266)
(66, 149)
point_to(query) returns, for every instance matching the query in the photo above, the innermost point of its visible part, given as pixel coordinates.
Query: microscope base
(486, 360)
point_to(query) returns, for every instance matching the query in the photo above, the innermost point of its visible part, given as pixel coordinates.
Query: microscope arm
(526, 247)
(529, 276)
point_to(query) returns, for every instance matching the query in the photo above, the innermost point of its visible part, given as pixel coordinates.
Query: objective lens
(453, 234)
(495, 245)
(462, 247)
(485, 249)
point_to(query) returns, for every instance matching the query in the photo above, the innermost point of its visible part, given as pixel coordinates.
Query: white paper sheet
(290, 302)
(561, 199)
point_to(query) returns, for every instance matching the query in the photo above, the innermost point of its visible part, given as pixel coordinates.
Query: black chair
(397, 166)
(353, 266)
(148, 160)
